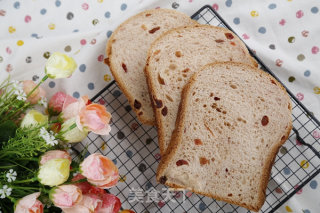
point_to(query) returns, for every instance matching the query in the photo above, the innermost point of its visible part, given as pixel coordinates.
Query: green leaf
(7, 130)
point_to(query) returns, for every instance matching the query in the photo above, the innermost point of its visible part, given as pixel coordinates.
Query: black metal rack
(134, 149)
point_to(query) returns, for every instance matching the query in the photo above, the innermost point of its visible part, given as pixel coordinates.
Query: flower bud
(60, 66)
(72, 135)
(29, 203)
(65, 196)
(33, 118)
(54, 172)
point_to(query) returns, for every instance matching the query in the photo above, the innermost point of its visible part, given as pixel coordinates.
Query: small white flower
(5, 191)
(17, 86)
(48, 136)
(11, 175)
(43, 102)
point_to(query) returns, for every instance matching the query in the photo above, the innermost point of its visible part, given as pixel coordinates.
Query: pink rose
(100, 171)
(36, 95)
(91, 117)
(29, 204)
(54, 154)
(59, 101)
(66, 196)
(110, 204)
(89, 204)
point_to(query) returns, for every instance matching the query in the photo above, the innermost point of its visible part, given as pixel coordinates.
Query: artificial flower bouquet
(37, 173)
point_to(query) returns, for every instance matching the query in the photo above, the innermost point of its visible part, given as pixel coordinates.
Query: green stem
(26, 168)
(26, 181)
(36, 87)
(24, 187)
(12, 199)
(62, 132)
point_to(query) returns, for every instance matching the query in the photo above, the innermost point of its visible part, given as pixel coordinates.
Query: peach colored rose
(54, 154)
(100, 171)
(65, 196)
(89, 204)
(90, 117)
(110, 204)
(36, 95)
(59, 101)
(95, 118)
(29, 204)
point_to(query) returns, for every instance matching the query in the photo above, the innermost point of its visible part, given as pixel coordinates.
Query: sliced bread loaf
(127, 52)
(233, 118)
(174, 57)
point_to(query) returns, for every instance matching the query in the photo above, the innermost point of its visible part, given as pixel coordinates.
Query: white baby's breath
(5, 191)
(11, 175)
(48, 137)
(43, 102)
(17, 87)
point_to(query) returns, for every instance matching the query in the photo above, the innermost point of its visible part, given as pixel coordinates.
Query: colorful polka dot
(299, 191)
(149, 141)
(272, 6)
(315, 50)
(91, 86)
(51, 26)
(20, 43)
(228, 3)
(11, 29)
(314, 10)
(107, 14)
(82, 68)
(52, 84)
(148, 185)
(175, 5)
(115, 161)
(282, 22)
(120, 135)
(1, 59)
(107, 77)
(67, 48)
(76, 94)
(123, 7)
(95, 21)
(202, 206)
(85, 6)
(215, 7)
(262, 30)
(306, 211)
(142, 167)
(288, 209)
(313, 184)
(129, 153)
(46, 55)
(236, 20)
(58, 3)
(16, 5)
(291, 39)
(286, 170)
(28, 59)
(300, 96)
(83, 42)
(291, 79)
(316, 90)
(27, 18)
(43, 11)
(299, 14)
(161, 204)
(116, 93)
(272, 46)
(109, 33)
(70, 15)
(304, 164)
(307, 73)
(283, 150)
(301, 57)
(254, 13)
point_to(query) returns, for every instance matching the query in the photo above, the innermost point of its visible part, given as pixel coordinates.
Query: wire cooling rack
(134, 149)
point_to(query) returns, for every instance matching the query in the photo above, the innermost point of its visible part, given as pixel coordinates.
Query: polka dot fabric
(284, 34)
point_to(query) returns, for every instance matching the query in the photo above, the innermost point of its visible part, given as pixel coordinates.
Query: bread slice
(232, 120)
(174, 57)
(127, 53)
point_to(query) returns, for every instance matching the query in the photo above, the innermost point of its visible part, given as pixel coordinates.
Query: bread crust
(177, 136)
(148, 74)
(142, 118)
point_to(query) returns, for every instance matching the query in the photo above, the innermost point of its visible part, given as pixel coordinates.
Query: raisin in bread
(233, 118)
(174, 57)
(127, 52)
